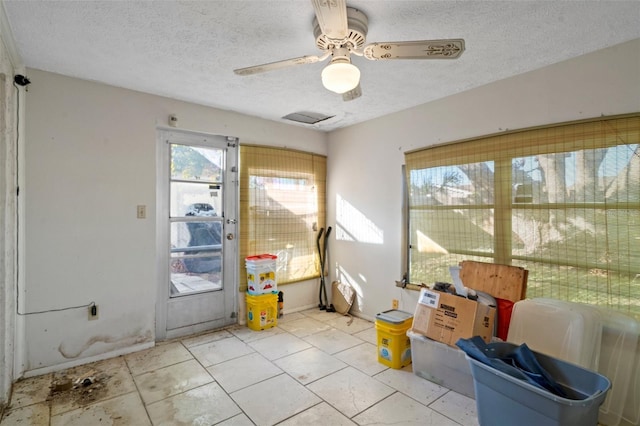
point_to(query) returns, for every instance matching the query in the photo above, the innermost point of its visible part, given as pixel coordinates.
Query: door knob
(230, 236)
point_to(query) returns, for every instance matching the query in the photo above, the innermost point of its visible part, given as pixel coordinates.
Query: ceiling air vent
(307, 117)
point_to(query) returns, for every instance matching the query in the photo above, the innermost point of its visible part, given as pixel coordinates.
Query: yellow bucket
(262, 311)
(394, 346)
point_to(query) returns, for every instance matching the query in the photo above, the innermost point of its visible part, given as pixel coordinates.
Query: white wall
(90, 159)
(606, 82)
(9, 64)
(8, 227)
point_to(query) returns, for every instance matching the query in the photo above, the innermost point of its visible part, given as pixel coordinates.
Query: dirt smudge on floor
(79, 387)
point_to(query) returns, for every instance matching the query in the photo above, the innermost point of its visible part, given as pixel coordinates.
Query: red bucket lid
(262, 257)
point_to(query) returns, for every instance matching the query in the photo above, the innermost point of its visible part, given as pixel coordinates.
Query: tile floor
(313, 369)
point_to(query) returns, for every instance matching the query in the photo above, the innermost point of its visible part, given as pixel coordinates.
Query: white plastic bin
(565, 330)
(618, 353)
(261, 274)
(631, 412)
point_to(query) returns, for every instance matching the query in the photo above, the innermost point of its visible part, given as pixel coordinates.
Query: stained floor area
(314, 368)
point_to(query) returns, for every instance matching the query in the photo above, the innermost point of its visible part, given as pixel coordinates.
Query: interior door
(197, 220)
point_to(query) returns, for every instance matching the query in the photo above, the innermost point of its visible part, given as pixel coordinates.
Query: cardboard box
(446, 318)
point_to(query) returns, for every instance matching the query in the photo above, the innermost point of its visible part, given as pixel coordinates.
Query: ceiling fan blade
(352, 94)
(421, 49)
(256, 69)
(332, 18)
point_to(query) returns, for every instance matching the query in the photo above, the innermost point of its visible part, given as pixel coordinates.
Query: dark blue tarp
(520, 362)
(204, 234)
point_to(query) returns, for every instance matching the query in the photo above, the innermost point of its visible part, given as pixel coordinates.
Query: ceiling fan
(340, 32)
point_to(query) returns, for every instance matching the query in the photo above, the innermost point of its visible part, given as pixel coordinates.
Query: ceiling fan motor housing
(358, 26)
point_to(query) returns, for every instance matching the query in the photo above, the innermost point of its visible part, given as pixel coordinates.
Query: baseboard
(299, 308)
(88, 360)
(306, 307)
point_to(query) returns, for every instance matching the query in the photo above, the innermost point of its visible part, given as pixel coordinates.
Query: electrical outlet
(394, 304)
(141, 211)
(93, 312)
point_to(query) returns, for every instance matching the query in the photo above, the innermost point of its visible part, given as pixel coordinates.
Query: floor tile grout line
(444, 414)
(49, 402)
(237, 327)
(396, 391)
(284, 372)
(297, 414)
(286, 355)
(272, 361)
(235, 415)
(416, 400)
(237, 358)
(206, 342)
(158, 368)
(410, 396)
(82, 407)
(9, 408)
(374, 404)
(323, 377)
(144, 405)
(230, 359)
(183, 392)
(391, 387)
(336, 408)
(167, 366)
(270, 378)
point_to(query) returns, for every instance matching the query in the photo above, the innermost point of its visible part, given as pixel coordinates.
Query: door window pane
(196, 163)
(196, 211)
(196, 199)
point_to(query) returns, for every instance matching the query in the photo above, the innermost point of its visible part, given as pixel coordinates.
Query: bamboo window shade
(562, 201)
(282, 206)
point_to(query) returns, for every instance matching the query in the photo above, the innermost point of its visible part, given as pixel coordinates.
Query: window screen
(561, 201)
(282, 207)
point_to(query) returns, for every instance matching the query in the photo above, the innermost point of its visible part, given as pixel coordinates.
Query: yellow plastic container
(262, 311)
(394, 346)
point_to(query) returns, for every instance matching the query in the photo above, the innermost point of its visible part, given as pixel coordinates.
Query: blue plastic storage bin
(503, 400)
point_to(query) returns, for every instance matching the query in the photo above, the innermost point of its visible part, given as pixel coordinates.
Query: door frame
(230, 264)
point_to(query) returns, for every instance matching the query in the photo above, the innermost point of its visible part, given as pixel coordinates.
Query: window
(561, 201)
(282, 208)
(195, 210)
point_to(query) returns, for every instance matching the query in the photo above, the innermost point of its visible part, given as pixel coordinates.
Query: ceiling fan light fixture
(340, 76)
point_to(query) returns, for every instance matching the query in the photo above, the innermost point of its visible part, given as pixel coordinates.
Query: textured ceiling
(187, 50)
